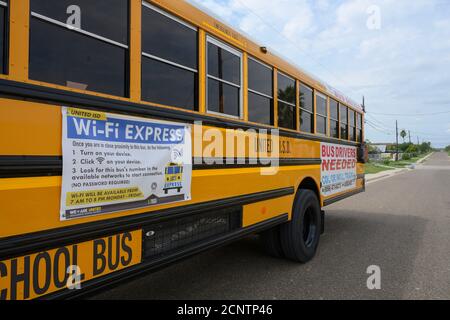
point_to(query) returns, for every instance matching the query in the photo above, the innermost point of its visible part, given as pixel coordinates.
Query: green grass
(374, 168)
(405, 163)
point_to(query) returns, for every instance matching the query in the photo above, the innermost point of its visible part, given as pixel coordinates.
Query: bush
(386, 162)
(406, 157)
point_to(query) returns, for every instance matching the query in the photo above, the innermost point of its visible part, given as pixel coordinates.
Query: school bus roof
(207, 20)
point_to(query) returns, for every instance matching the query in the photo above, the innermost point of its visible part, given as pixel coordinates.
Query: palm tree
(403, 134)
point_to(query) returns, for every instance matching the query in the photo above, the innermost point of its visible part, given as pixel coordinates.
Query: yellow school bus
(99, 97)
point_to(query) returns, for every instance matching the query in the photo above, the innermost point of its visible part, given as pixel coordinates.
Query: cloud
(403, 67)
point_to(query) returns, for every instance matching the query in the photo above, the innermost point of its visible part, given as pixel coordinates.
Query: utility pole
(396, 140)
(409, 133)
(418, 140)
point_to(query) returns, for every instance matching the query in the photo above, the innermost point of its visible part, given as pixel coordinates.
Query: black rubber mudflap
(322, 219)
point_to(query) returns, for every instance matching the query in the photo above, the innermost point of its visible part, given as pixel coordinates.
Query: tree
(403, 134)
(371, 148)
(412, 149)
(425, 147)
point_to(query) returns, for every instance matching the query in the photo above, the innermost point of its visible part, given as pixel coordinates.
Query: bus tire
(300, 236)
(272, 243)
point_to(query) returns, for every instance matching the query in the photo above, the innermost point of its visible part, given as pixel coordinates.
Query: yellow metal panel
(29, 128)
(264, 210)
(328, 118)
(202, 70)
(315, 110)
(275, 97)
(360, 168)
(19, 35)
(297, 99)
(135, 50)
(245, 85)
(32, 204)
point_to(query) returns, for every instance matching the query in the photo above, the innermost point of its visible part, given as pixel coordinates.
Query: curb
(386, 175)
(392, 173)
(424, 158)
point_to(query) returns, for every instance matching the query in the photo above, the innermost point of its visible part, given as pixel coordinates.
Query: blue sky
(394, 52)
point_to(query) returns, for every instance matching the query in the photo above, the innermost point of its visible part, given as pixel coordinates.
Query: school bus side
(35, 245)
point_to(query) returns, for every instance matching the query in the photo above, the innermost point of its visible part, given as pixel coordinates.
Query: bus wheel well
(310, 184)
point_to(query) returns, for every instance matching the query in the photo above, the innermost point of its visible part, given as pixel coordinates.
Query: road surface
(401, 224)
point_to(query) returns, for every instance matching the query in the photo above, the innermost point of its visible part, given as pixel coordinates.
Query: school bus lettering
(264, 145)
(67, 267)
(3, 274)
(34, 274)
(111, 252)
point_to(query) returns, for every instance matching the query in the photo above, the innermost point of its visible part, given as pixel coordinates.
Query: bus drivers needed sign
(338, 172)
(114, 163)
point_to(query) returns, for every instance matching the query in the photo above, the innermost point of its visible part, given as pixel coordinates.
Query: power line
(409, 114)
(378, 129)
(378, 123)
(297, 46)
(383, 126)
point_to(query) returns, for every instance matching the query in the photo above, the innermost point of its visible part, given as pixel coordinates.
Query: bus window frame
(5, 4)
(168, 62)
(317, 114)
(223, 45)
(294, 105)
(333, 119)
(169, 15)
(271, 98)
(352, 127)
(361, 127)
(312, 113)
(86, 33)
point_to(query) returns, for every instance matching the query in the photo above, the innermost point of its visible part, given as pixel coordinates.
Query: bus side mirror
(363, 153)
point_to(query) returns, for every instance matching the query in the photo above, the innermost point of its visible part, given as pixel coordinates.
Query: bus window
(343, 112)
(260, 92)
(3, 28)
(93, 57)
(170, 59)
(286, 102)
(351, 125)
(321, 114)
(359, 127)
(223, 79)
(334, 118)
(306, 109)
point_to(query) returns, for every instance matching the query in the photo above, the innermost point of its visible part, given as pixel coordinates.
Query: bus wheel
(272, 243)
(300, 237)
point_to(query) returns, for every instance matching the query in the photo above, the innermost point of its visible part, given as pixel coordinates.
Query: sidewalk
(384, 174)
(390, 173)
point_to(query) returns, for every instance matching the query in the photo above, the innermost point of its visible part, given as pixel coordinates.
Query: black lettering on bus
(16, 278)
(99, 256)
(75, 260)
(126, 261)
(65, 254)
(45, 257)
(113, 262)
(3, 274)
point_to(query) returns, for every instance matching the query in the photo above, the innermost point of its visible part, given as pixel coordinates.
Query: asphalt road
(401, 224)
